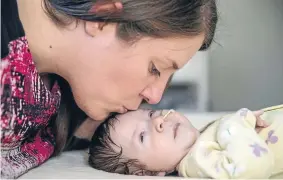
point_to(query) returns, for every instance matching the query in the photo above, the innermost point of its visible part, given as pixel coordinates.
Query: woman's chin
(99, 116)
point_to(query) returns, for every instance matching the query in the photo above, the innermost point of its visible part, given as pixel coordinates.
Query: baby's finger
(261, 123)
(258, 113)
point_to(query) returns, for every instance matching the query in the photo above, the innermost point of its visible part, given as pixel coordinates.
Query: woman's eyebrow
(174, 64)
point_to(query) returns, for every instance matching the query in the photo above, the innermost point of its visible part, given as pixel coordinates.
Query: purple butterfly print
(257, 149)
(216, 166)
(271, 138)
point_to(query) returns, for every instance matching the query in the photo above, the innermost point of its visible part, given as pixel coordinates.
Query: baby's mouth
(175, 130)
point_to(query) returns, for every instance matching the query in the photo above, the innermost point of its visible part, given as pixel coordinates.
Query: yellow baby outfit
(231, 148)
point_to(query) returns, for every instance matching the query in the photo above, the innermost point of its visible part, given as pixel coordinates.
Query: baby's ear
(161, 173)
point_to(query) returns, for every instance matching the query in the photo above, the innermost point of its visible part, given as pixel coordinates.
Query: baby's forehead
(126, 124)
(122, 132)
(134, 116)
(125, 121)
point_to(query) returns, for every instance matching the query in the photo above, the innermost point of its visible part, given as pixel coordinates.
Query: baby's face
(157, 142)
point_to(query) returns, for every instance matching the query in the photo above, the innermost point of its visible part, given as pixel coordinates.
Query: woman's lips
(176, 127)
(122, 110)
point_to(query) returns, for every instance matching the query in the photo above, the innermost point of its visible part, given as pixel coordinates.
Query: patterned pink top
(26, 109)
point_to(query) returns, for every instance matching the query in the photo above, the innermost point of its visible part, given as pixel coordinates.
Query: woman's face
(108, 75)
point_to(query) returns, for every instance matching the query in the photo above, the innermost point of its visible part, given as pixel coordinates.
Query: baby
(148, 142)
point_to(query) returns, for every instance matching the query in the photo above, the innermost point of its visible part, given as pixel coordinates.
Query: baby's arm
(246, 155)
(260, 123)
(238, 152)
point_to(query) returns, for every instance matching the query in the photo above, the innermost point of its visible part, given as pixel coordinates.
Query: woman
(108, 55)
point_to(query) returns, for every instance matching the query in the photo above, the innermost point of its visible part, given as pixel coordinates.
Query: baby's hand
(260, 123)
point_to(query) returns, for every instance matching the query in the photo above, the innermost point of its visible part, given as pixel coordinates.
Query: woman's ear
(93, 28)
(101, 8)
(97, 28)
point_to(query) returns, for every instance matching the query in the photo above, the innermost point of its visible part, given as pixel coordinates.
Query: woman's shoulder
(26, 110)
(26, 104)
(18, 53)
(17, 68)
(22, 83)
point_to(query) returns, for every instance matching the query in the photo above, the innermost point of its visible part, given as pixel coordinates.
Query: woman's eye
(151, 113)
(142, 137)
(153, 70)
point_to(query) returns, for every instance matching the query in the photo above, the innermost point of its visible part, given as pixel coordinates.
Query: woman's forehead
(179, 49)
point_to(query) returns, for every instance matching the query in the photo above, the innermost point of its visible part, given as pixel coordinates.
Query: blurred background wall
(244, 68)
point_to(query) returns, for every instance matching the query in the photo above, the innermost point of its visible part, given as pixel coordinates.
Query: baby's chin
(196, 135)
(193, 135)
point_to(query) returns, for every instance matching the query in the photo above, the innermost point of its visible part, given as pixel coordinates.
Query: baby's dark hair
(103, 153)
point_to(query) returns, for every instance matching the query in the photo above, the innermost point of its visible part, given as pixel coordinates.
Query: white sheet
(73, 165)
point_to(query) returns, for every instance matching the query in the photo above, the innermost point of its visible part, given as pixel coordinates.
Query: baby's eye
(141, 137)
(151, 113)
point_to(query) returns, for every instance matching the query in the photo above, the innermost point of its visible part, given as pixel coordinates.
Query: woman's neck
(87, 129)
(40, 32)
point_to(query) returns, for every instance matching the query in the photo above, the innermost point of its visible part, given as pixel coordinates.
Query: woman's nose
(151, 97)
(153, 94)
(158, 124)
